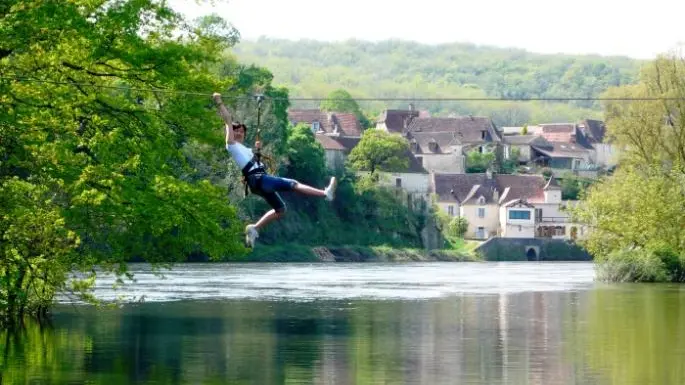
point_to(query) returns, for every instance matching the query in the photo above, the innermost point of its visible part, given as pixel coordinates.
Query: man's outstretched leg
(275, 201)
(328, 192)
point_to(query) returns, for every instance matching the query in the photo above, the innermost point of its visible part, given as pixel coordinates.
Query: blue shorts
(267, 186)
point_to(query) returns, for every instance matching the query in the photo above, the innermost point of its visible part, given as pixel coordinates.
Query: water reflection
(603, 336)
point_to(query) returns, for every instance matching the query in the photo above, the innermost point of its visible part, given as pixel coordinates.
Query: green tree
(570, 187)
(93, 170)
(341, 101)
(511, 164)
(635, 215)
(477, 162)
(305, 156)
(458, 226)
(379, 150)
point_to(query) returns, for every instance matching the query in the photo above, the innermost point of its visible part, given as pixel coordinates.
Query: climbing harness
(257, 159)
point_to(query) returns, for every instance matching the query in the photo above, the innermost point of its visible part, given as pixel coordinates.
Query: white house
(517, 219)
(513, 206)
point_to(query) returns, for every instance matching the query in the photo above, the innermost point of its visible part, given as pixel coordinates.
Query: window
(482, 135)
(398, 182)
(538, 215)
(519, 214)
(481, 212)
(316, 126)
(450, 210)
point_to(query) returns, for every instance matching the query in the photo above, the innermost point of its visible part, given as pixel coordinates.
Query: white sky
(605, 27)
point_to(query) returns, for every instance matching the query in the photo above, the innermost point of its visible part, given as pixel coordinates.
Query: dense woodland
(401, 69)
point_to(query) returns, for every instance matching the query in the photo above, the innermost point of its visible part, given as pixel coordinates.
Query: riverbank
(356, 253)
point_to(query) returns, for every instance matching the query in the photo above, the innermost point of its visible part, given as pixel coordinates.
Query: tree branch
(150, 68)
(89, 72)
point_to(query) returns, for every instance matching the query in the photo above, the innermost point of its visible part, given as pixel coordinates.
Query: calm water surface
(437, 323)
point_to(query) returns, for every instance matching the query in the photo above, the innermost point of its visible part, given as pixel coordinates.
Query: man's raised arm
(226, 115)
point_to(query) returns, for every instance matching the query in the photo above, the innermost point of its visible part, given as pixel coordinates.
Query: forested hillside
(400, 69)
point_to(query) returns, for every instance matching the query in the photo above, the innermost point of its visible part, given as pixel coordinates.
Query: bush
(640, 265)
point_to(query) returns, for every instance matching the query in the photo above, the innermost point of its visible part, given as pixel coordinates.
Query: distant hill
(402, 69)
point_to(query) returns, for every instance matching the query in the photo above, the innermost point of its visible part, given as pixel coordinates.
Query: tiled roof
(500, 188)
(468, 128)
(593, 130)
(455, 187)
(395, 119)
(341, 143)
(524, 139)
(347, 123)
(415, 164)
(349, 142)
(528, 187)
(552, 184)
(562, 150)
(558, 132)
(329, 143)
(432, 142)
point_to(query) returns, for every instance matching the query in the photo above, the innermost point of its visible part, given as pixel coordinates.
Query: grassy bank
(293, 252)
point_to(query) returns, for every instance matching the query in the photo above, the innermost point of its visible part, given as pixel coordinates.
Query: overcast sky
(606, 27)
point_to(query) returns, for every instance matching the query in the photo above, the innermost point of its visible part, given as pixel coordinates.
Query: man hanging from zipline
(256, 177)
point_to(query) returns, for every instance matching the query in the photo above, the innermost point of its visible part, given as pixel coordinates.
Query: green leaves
(92, 168)
(479, 162)
(380, 151)
(341, 101)
(305, 156)
(636, 213)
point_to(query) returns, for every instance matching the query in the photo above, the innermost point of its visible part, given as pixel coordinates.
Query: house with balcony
(510, 206)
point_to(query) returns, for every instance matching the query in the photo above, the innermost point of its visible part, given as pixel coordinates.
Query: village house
(328, 123)
(580, 148)
(396, 121)
(441, 144)
(337, 132)
(510, 206)
(524, 144)
(415, 181)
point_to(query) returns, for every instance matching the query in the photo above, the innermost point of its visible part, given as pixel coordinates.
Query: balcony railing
(553, 220)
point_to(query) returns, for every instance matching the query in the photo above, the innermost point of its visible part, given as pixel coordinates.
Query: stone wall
(531, 249)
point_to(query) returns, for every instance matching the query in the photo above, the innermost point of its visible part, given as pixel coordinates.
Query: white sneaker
(330, 190)
(251, 235)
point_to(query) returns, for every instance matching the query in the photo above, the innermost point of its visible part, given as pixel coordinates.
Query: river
(405, 323)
